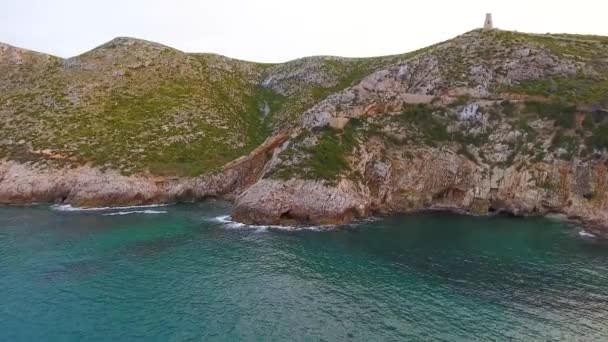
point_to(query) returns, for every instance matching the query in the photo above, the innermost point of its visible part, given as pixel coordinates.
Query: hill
(487, 121)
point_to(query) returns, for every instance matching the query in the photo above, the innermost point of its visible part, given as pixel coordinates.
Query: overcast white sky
(280, 30)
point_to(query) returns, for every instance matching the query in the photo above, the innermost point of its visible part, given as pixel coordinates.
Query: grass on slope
(576, 90)
(326, 159)
(181, 115)
(591, 51)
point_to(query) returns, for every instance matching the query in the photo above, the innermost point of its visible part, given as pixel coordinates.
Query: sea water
(187, 272)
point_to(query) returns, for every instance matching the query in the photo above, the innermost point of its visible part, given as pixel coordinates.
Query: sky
(281, 30)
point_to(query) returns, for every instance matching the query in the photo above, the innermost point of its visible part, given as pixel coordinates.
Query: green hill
(138, 106)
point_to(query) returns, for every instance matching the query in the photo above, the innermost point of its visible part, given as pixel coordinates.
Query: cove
(186, 271)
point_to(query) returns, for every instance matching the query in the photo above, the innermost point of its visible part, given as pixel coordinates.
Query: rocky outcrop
(287, 79)
(434, 179)
(432, 77)
(300, 201)
(86, 186)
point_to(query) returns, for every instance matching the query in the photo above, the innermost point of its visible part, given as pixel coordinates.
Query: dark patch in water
(156, 246)
(76, 269)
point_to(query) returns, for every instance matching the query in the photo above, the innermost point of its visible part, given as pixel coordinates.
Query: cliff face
(90, 187)
(490, 121)
(432, 178)
(484, 123)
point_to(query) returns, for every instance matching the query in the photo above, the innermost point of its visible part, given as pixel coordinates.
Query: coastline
(584, 229)
(404, 187)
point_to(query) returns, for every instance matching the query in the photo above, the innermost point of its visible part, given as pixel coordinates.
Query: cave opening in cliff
(286, 216)
(450, 194)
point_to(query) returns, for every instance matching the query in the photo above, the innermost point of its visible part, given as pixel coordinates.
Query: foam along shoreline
(586, 234)
(147, 211)
(69, 208)
(228, 222)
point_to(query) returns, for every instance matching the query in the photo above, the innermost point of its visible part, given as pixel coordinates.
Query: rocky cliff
(490, 121)
(86, 186)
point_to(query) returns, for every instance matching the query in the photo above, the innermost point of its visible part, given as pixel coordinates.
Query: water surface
(183, 273)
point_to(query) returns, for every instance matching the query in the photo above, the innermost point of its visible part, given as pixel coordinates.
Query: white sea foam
(362, 221)
(68, 207)
(136, 212)
(223, 219)
(586, 234)
(227, 222)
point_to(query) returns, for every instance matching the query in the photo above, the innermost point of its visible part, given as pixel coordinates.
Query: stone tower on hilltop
(487, 25)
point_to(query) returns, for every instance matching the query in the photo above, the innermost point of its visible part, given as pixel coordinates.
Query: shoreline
(585, 229)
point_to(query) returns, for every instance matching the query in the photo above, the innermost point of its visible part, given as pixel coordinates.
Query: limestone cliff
(433, 178)
(86, 186)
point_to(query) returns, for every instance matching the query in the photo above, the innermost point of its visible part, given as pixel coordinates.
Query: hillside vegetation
(138, 106)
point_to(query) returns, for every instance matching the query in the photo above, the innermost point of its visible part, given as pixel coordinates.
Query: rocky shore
(88, 186)
(438, 180)
(434, 179)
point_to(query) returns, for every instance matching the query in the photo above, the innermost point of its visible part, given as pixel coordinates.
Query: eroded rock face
(286, 78)
(90, 187)
(431, 77)
(434, 179)
(300, 201)
(84, 186)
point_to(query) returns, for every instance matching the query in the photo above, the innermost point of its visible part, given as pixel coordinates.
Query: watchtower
(487, 25)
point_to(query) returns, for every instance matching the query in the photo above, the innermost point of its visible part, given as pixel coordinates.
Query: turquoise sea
(186, 273)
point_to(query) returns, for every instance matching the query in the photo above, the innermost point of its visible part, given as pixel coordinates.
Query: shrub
(471, 139)
(328, 157)
(562, 114)
(599, 138)
(540, 156)
(461, 101)
(508, 108)
(578, 89)
(464, 151)
(588, 121)
(569, 143)
(422, 117)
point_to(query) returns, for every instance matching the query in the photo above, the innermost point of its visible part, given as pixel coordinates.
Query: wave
(226, 220)
(136, 212)
(586, 234)
(69, 207)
